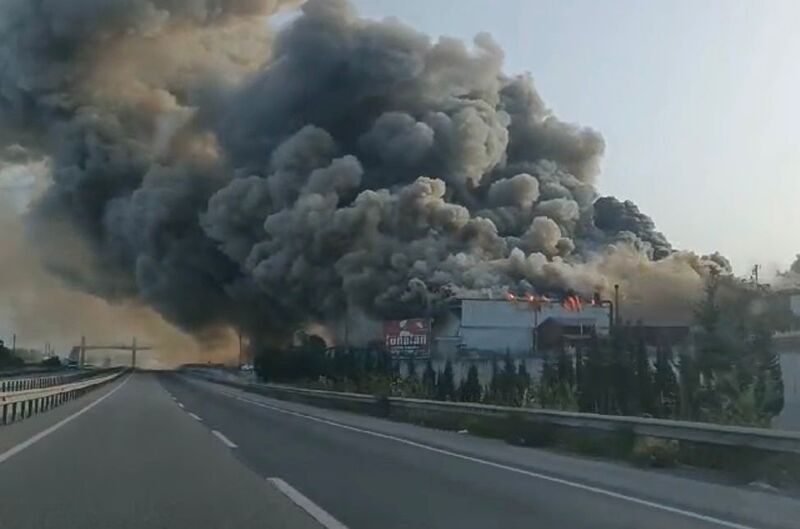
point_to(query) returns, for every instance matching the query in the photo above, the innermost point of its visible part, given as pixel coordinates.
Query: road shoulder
(137, 460)
(723, 500)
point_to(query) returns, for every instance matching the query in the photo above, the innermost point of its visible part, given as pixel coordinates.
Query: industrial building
(794, 302)
(499, 325)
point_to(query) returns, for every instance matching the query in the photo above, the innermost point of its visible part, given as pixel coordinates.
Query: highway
(131, 459)
(166, 450)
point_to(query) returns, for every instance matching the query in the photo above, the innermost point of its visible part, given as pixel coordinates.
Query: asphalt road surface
(131, 459)
(374, 473)
(176, 452)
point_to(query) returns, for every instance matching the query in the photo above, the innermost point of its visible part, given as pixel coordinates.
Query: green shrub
(654, 452)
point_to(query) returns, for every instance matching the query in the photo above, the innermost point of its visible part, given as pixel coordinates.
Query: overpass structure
(134, 348)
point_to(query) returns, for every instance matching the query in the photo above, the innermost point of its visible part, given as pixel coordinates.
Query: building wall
(502, 313)
(794, 304)
(500, 325)
(516, 340)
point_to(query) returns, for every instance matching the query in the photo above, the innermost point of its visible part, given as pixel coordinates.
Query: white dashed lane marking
(221, 437)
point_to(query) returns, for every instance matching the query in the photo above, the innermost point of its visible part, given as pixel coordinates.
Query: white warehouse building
(502, 325)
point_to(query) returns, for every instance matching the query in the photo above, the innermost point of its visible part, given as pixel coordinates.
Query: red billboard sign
(407, 338)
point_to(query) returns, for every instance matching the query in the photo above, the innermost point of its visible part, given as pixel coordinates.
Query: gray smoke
(614, 217)
(788, 279)
(226, 177)
(795, 266)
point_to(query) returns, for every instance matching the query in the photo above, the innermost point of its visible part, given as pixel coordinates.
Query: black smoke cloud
(613, 217)
(225, 176)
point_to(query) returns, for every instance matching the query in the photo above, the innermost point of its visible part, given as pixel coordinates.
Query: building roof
(570, 322)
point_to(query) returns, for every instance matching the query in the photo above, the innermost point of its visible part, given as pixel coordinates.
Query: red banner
(407, 338)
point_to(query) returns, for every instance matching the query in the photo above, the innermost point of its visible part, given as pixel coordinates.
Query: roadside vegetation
(732, 375)
(8, 359)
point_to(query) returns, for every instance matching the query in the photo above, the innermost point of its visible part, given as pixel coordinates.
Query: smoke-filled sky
(195, 164)
(697, 101)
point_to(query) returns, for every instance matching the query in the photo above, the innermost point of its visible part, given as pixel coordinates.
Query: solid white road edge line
(544, 477)
(314, 510)
(44, 433)
(195, 416)
(225, 440)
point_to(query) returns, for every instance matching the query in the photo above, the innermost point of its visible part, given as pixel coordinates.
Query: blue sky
(698, 101)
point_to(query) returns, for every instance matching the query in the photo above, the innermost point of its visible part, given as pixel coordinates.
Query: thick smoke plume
(223, 175)
(39, 308)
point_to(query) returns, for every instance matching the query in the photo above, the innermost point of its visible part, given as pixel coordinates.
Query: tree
(644, 375)
(579, 380)
(429, 380)
(621, 376)
(523, 377)
(769, 389)
(445, 385)
(665, 386)
(412, 370)
(690, 388)
(470, 390)
(507, 387)
(549, 373)
(565, 370)
(54, 361)
(358, 367)
(591, 387)
(739, 402)
(371, 362)
(711, 350)
(495, 383)
(739, 373)
(7, 358)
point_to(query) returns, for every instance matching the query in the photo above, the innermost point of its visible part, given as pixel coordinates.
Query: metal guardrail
(694, 432)
(20, 402)
(18, 384)
(58, 378)
(32, 371)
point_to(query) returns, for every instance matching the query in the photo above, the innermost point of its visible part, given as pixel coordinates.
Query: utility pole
(347, 329)
(133, 353)
(754, 275)
(82, 357)
(616, 305)
(14, 344)
(429, 322)
(240, 348)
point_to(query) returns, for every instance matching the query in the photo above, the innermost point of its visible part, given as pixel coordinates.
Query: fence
(38, 382)
(22, 398)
